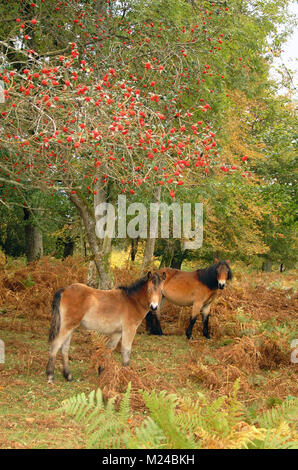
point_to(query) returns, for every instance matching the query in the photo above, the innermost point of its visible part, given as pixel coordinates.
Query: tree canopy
(111, 97)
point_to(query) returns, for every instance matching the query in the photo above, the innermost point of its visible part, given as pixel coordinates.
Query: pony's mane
(139, 284)
(208, 276)
(134, 287)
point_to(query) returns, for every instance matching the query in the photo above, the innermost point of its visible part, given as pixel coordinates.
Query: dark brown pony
(116, 313)
(197, 289)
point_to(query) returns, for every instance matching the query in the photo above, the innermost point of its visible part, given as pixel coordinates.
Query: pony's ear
(164, 275)
(148, 275)
(216, 260)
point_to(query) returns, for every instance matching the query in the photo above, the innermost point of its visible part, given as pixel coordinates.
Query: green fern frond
(147, 436)
(286, 411)
(176, 423)
(105, 426)
(162, 408)
(124, 407)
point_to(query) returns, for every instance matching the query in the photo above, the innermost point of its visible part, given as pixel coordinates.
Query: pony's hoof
(67, 376)
(51, 380)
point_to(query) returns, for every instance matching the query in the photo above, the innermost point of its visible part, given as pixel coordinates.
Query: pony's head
(154, 289)
(224, 273)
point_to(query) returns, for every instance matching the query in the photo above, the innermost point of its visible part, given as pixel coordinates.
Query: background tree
(105, 98)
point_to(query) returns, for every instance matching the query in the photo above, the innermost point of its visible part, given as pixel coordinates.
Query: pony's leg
(112, 344)
(114, 340)
(149, 322)
(127, 339)
(65, 358)
(153, 324)
(152, 321)
(54, 348)
(195, 312)
(156, 326)
(205, 318)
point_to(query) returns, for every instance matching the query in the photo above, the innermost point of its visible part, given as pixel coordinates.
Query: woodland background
(163, 101)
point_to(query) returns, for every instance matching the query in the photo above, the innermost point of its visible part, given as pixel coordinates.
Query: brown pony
(116, 313)
(197, 288)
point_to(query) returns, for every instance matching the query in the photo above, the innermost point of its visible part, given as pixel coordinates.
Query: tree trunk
(105, 245)
(82, 241)
(133, 248)
(34, 245)
(150, 242)
(92, 275)
(267, 266)
(102, 267)
(167, 255)
(148, 254)
(173, 256)
(68, 248)
(33, 237)
(179, 255)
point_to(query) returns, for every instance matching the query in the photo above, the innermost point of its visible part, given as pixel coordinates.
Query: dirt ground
(253, 322)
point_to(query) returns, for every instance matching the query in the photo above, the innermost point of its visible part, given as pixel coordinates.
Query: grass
(251, 330)
(28, 417)
(28, 405)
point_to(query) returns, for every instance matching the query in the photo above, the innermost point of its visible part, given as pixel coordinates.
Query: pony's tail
(56, 319)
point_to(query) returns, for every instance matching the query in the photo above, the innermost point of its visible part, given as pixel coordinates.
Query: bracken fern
(286, 411)
(105, 427)
(175, 423)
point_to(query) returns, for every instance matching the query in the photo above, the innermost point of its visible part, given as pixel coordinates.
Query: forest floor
(253, 322)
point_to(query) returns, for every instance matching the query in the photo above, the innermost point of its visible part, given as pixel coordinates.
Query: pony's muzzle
(153, 307)
(221, 285)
